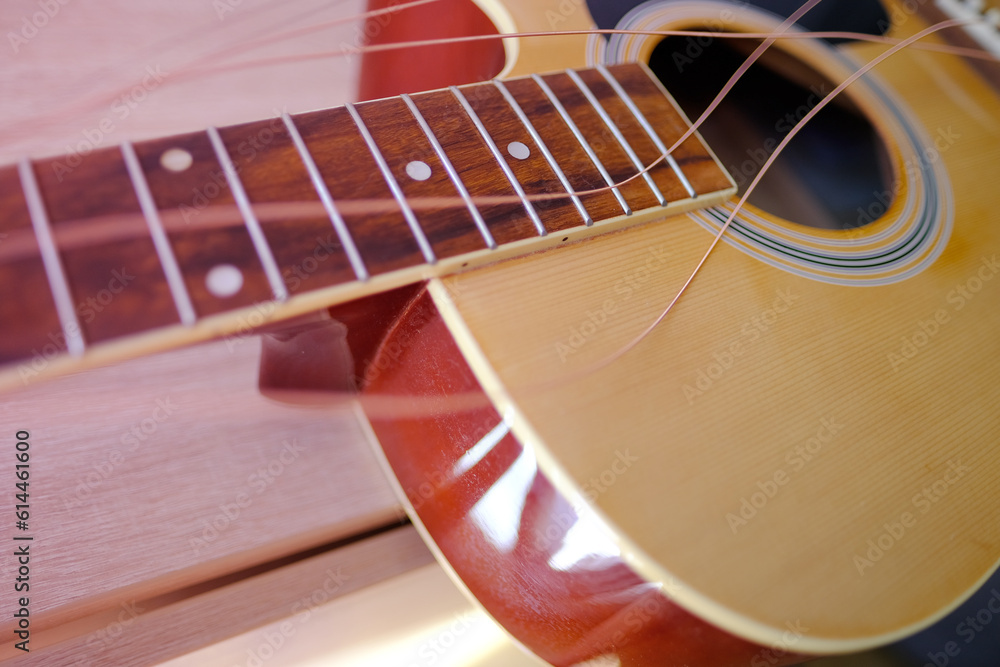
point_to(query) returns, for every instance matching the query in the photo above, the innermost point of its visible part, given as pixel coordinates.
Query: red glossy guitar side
(529, 532)
(566, 617)
(591, 605)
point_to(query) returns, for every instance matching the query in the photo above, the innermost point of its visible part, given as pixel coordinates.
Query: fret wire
(397, 192)
(452, 172)
(571, 124)
(618, 135)
(343, 233)
(267, 260)
(172, 271)
(471, 113)
(587, 220)
(50, 260)
(648, 127)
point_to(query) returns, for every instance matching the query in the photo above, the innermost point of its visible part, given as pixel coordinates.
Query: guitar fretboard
(331, 204)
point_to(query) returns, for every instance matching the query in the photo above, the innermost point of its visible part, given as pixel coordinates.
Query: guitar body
(801, 458)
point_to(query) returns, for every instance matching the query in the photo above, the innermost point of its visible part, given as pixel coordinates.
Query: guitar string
(907, 43)
(968, 52)
(192, 71)
(451, 201)
(384, 406)
(631, 345)
(101, 101)
(437, 202)
(956, 50)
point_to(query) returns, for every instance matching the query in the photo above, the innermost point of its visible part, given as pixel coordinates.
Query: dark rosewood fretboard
(321, 207)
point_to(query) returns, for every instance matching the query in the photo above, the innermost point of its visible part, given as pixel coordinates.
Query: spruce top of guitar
(184, 234)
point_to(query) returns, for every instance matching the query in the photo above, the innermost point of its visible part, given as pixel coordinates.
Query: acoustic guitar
(798, 459)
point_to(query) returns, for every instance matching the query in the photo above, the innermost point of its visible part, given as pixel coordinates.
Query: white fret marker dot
(418, 171)
(518, 150)
(224, 280)
(176, 159)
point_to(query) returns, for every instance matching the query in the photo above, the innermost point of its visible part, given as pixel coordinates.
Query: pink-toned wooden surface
(120, 518)
(64, 81)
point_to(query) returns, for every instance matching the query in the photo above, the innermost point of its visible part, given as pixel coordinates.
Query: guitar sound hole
(832, 175)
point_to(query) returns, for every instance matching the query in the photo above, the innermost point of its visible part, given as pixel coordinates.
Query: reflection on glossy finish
(548, 571)
(498, 512)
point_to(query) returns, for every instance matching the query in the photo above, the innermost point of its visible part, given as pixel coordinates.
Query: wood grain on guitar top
(888, 390)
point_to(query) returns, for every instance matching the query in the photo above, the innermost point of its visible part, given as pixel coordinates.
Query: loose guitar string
(951, 49)
(631, 345)
(251, 44)
(376, 48)
(384, 205)
(387, 406)
(362, 205)
(222, 216)
(193, 70)
(277, 210)
(115, 227)
(102, 100)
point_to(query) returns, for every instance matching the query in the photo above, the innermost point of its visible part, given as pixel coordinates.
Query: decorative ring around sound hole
(908, 227)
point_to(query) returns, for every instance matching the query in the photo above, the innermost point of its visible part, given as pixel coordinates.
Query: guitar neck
(187, 237)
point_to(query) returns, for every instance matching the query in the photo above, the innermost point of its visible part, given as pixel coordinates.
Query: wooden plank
(145, 631)
(114, 520)
(449, 630)
(171, 470)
